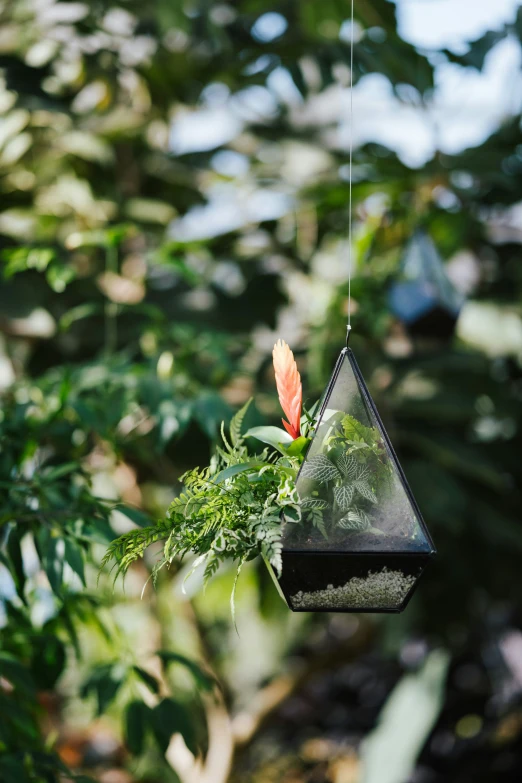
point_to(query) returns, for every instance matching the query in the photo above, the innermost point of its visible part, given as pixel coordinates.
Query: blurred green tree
(133, 320)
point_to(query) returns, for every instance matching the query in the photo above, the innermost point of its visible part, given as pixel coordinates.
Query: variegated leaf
(343, 496)
(356, 519)
(348, 466)
(362, 473)
(364, 489)
(318, 503)
(320, 469)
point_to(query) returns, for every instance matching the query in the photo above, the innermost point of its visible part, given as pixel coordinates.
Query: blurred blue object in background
(423, 297)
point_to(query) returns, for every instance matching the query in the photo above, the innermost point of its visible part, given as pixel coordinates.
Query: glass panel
(354, 497)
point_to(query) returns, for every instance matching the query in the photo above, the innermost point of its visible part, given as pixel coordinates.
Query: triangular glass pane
(354, 496)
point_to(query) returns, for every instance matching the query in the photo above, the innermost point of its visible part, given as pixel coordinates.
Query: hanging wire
(350, 125)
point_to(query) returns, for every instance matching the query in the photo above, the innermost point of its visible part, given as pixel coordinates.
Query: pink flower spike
(289, 387)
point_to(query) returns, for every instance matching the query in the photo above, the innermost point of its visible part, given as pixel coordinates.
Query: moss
(381, 590)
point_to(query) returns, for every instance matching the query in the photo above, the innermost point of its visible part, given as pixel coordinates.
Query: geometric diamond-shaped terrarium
(361, 543)
(423, 297)
(352, 538)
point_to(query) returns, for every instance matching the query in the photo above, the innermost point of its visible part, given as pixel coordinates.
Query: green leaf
(203, 680)
(99, 531)
(166, 255)
(173, 419)
(233, 593)
(171, 717)
(237, 423)
(136, 723)
(298, 446)
(273, 436)
(51, 550)
(364, 489)
(50, 475)
(477, 51)
(320, 469)
(233, 470)
(150, 681)
(318, 521)
(74, 556)
(17, 674)
(102, 238)
(14, 553)
(311, 503)
(209, 411)
(390, 752)
(355, 431)
(59, 277)
(343, 496)
(356, 519)
(136, 515)
(347, 465)
(48, 661)
(23, 258)
(104, 681)
(78, 314)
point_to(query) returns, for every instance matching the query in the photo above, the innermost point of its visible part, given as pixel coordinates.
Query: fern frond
(155, 571)
(233, 593)
(228, 446)
(236, 423)
(232, 518)
(267, 530)
(129, 547)
(210, 568)
(226, 456)
(179, 504)
(315, 515)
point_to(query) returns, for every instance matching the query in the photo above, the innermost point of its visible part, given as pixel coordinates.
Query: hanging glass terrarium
(361, 543)
(352, 538)
(423, 297)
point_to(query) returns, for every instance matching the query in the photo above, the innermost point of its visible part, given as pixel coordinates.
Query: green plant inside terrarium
(343, 481)
(352, 494)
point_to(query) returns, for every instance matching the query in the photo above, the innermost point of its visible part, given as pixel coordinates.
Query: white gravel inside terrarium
(381, 590)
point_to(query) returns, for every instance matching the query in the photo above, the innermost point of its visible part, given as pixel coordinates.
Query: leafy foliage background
(130, 327)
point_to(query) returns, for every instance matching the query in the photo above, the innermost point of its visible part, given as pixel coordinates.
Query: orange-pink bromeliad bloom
(289, 388)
